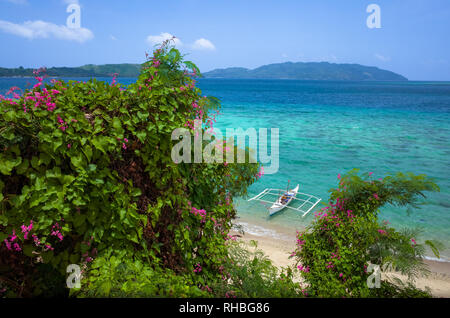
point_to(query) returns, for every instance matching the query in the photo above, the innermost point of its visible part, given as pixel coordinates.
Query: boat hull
(278, 205)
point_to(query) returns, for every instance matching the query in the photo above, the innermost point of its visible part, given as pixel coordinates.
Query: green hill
(288, 70)
(90, 70)
(309, 71)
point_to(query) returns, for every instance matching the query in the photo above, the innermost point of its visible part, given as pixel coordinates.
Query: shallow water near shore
(328, 128)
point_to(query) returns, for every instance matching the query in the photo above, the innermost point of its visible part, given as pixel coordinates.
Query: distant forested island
(309, 71)
(288, 70)
(90, 70)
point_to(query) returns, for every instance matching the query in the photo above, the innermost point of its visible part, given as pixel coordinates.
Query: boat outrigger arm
(302, 202)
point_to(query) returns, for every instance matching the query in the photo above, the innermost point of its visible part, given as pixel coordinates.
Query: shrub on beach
(248, 272)
(86, 174)
(336, 251)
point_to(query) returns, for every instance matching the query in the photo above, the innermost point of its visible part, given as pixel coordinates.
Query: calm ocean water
(328, 128)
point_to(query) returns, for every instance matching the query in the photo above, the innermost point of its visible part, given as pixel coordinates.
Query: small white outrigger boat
(305, 202)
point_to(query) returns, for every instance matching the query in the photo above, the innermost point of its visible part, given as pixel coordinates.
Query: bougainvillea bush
(336, 251)
(86, 174)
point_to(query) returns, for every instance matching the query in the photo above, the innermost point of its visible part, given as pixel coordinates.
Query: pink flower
(48, 247)
(8, 244)
(198, 268)
(376, 196)
(261, 172)
(13, 236)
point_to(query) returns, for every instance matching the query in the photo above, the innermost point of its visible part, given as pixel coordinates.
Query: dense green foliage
(90, 70)
(245, 273)
(309, 71)
(250, 273)
(337, 249)
(87, 174)
(120, 276)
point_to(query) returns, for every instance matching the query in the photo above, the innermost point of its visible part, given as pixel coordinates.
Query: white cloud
(112, 37)
(44, 30)
(382, 58)
(284, 55)
(200, 44)
(203, 44)
(17, 1)
(158, 39)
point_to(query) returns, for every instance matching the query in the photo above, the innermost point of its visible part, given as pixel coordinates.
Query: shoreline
(259, 228)
(279, 244)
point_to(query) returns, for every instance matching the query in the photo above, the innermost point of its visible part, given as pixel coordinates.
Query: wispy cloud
(382, 57)
(44, 30)
(71, 1)
(203, 44)
(200, 44)
(16, 1)
(112, 37)
(332, 58)
(158, 39)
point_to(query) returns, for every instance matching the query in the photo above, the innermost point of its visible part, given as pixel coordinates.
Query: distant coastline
(308, 71)
(322, 71)
(90, 70)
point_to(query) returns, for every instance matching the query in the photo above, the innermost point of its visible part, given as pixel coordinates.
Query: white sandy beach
(280, 244)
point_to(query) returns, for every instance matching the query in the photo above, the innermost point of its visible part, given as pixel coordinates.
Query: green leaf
(87, 150)
(8, 164)
(141, 136)
(78, 161)
(433, 248)
(22, 168)
(135, 192)
(122, 214)
(101, 143)
(117, 124)
(105, 288)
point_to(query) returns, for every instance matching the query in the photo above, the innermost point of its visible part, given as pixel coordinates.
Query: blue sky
(413, 39)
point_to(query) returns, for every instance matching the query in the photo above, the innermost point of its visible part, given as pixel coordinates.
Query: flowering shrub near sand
(347, 236)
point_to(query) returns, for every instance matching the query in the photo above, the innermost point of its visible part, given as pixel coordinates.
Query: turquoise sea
(329, 127)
